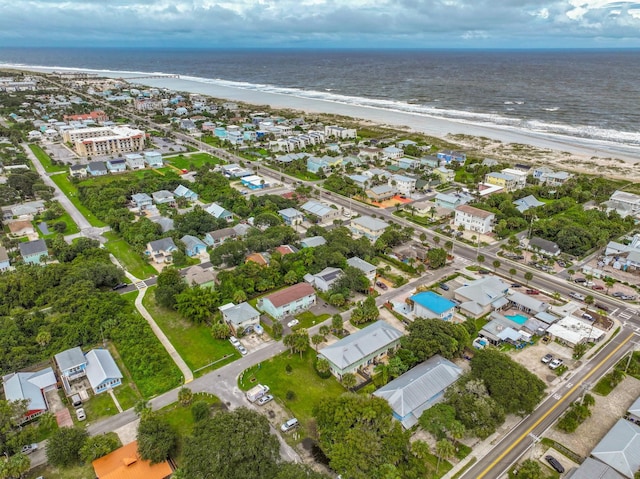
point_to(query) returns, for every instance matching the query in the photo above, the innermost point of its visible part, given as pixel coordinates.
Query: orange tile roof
(125, 463)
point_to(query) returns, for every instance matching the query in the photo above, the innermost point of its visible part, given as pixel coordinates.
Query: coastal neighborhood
(190, 284)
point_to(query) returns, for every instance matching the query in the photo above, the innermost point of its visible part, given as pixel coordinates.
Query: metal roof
(217, 211)
(528, 302)
(484, 290)
(593, 469)
(69, 359)
(370, 223)
(433, 302)
(313, 242)
(357, 346)
(316, 208)
(290, 213)
(100, 367)
(360, 264)
(239, 313)
(620, 448)
(19, 386)
(419, 389)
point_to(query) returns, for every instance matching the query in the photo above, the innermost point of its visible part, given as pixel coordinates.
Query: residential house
(452, 200)
(383, 175)
(134, 161)
(312, 242)
(405, 185)
(196, 274)
(286, 249)
(361, 349)
(592, 468)
(102, 371)
(501, 329)
(33, 252)
(242, 229)
(392, 153)
(520, 176)
(4, 259)
(30, 387)
(369, 153)
(263, 259)
(219, 212)
(444, 174)
(153, 159)
(166, 224)
(449, 155)
(97, 168)
(216, 238)
(430, 161)
(254, 182)
(239, 317)
(428, 305)
(365, 267)
(405, 143)
(620, 448)
(126, 463)
(544, 247)
(474, 219)
(21, 228)
(324, 164)
(163, 197)
(184, 192)
(117, 165)
(161, 251)
(291, 216)
(555, 178)
(78, 171)
(370, 228)
(419, 389)
(481, 296)
(526, 203)
(380, 193)
(141, 200)
(23, 211)
(541, 171)
(527, 303)
(408, 163)
(71, 363)
(505, 181)
(361, 181)
(325, 279)
(193, 246)
(623, 203)
(288, 301)
(320, 211)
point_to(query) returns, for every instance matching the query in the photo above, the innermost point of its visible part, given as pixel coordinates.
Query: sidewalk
(186, 372)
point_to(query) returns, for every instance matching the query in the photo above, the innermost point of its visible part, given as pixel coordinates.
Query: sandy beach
(501, 142)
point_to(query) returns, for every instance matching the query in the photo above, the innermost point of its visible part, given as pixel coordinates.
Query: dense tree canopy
(63, 447)
(428, 337)
(156, 438)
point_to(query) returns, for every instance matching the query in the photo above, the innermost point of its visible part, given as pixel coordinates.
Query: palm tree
(609, 282)
(324, 330)
(570, 272)
(316, 339)
(349, 380)
(382, 369)
(512, 273)
(420, 449)
(528, 276)
(185, 396)
(480, 258)
(496, 264)
(444, 450)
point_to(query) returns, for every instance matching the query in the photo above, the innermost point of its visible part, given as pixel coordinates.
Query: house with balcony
(161, 251)
(444, 174)
(291, 216)
(117, 165)
(369, 227)
(78, 171)
(288, 301)
(141, 201)
(449, 156)
(361, 349)
(163, 197)
(482, 296)
(519, 175)
(239, 317)
(624, 203)
(474, 219)
(505, 181)
(405, 185)
(392, 153)
(134, 161)
(380, 193)
(71, 364)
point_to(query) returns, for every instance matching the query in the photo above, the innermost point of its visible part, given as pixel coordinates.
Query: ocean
(588, 94)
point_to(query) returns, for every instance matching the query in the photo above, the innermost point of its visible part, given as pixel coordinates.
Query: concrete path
(186, 372)
(115, 400)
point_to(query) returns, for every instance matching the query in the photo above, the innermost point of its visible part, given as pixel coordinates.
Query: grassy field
(192, 341)
(72, 193)
(51, 472)
(129, 258)
(303, 381)
(308, 319)
(195, 159)
(99, 407)
(45, 159)
(72, 227)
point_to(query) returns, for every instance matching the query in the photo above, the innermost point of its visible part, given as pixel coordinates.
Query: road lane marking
(551, 409)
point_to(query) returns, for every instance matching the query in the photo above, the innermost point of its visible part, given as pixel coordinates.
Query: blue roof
(433, 301)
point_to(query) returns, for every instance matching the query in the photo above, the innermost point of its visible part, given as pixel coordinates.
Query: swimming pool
(518, 318)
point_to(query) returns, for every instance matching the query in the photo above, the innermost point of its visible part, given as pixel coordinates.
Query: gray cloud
(348, 23)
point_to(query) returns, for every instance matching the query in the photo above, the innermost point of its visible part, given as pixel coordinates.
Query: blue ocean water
(583, 93)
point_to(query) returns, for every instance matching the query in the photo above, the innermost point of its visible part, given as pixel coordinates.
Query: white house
(474, 219)
(367, 269)
(325, 279)
(240, 316)
(404, 185)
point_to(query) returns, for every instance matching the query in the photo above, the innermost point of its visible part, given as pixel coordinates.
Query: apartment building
(104, 141)
(474, 219)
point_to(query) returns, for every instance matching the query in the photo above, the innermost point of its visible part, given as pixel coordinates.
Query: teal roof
(433, 302)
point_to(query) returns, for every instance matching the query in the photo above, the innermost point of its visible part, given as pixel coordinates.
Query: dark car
(553, 462)
(516, 285)
(601, 306)
(381, 285)
(119, 286)
(443, 286)
(483, 271)
(580, 280)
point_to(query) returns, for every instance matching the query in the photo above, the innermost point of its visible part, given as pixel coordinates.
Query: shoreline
(578, 154)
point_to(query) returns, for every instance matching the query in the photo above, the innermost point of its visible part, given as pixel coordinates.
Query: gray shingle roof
(191, 242)
(101, 366)
(544, 245)
(418, 389)
(71, 358)
(33, 247)
(239, 313)
(353, 348)
(164, 244)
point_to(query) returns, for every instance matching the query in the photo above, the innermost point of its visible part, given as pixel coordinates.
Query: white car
(80, 414)
(289, 425)
(555, 364)
(233, 340)
(242, 349)
(265, 399)
(293, 323)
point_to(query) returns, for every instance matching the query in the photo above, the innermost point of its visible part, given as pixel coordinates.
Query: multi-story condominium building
(339, 132)
(105, 140)
(474, 219)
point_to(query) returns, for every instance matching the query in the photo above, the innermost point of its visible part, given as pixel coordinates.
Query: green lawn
(305, 383)
(192, 341)
(308, 319)
(100, 406)
(51, 472)
(196, 159)
(130, 259)
(72, 193)
(127, 396)
(72, 227)
(47, 164)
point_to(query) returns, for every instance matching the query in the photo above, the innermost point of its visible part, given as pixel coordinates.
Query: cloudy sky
(321, 23)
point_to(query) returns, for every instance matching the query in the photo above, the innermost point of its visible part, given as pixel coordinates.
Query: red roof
(290, 294)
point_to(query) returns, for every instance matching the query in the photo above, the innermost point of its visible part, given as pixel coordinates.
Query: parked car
(80, 414)
(29, 448)
(556, 363)
(516, 285)
(617, 294)
(577, 296)
(233, 340)
(601, 306)
(483, 271)
(532, 291)
(119, 286)
(381, 285)
(547, 358)
(597, 287)
(580, 280)
(443, 286)
(293, 322)
(242, 350)
(289, 425)
(587, 316)
(265, 399)
(553, 462)
(628, 297)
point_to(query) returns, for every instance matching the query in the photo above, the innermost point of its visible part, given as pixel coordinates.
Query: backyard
(293, 382)
(129, 258)
(194, 342)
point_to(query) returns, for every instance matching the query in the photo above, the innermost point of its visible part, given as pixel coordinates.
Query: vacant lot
(195, 159)
(131, 260)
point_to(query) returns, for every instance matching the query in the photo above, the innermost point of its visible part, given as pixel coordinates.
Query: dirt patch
(63, 418)
(530, 357)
